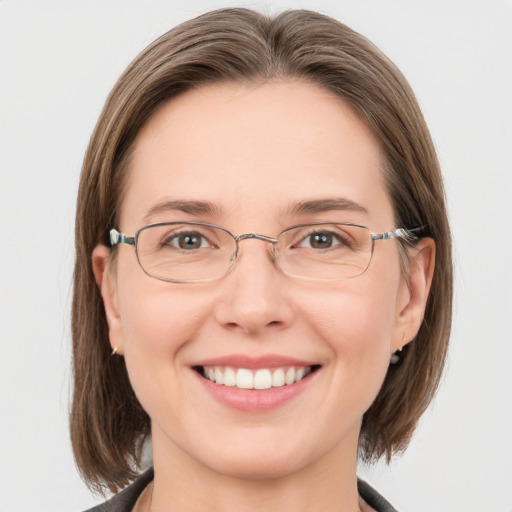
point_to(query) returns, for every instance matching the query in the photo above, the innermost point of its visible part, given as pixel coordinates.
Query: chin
(260, 467)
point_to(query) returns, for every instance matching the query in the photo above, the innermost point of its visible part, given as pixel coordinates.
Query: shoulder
(373, 498)
(125, 500)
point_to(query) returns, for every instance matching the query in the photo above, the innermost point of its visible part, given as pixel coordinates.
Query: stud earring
(114, 352)
(395, 357)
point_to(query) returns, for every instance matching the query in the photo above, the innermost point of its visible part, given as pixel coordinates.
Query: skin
(255, 152)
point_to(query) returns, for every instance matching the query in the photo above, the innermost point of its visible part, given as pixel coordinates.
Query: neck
(182, 484)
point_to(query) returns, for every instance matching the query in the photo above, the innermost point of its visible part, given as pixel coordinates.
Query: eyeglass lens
(198, 252)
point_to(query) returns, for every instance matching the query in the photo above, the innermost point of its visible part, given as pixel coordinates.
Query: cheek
(359, 317)
(156, 317)
(357, 325)
(157, 321)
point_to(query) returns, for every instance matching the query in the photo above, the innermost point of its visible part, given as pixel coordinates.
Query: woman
(286, 300)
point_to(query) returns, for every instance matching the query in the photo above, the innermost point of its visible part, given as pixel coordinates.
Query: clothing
(373, 498)
(125, 500)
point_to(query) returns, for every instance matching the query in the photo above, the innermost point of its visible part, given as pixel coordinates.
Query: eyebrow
(190, 207)
(210, 209)
(325, 205)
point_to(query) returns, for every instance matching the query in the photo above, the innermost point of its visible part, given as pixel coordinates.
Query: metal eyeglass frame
(117, 238)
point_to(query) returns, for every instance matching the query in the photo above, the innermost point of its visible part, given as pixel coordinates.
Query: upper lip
(251, 362)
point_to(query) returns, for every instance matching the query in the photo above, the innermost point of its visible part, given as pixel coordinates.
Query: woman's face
(257, 159)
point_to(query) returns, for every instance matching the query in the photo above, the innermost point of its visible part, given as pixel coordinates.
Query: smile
(258, 379)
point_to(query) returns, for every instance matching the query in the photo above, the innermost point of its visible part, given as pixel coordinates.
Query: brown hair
(108, 424)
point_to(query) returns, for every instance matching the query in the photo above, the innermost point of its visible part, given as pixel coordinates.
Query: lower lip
(255, 400)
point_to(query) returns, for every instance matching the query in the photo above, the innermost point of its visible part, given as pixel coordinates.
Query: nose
(255, 294)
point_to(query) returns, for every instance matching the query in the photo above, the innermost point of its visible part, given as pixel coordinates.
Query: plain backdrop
(58, 61)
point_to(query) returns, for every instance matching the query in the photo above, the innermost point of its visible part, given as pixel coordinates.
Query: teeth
(299, 374)
(229, 377)
(219, 376)
(244, 379)
(278, 378)
(289, 378)
(264, 378)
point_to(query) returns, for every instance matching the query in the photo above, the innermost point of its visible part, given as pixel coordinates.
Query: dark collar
(126, 499)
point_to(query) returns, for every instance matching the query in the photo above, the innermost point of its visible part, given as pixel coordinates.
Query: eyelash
(342, 240)
(175, 236)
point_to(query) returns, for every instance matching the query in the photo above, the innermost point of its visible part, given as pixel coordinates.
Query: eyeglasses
(194, 252)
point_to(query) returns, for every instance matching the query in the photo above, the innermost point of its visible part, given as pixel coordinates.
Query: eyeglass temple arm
(406, 234)
(117, 238)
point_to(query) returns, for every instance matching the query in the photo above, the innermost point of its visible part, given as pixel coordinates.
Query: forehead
(255, 152)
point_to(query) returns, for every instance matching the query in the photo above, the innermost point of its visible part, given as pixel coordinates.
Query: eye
(321, 240)
(187, 240)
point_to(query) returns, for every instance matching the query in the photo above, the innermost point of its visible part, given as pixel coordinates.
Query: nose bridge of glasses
(248, 236)
(254, 236)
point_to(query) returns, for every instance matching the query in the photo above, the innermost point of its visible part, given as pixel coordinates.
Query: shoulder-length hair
(108, 425)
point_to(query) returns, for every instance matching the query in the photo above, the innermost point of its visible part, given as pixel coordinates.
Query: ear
(417, 287)
(106, 281)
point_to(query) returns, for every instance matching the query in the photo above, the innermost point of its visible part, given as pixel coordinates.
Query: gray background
(59, 59)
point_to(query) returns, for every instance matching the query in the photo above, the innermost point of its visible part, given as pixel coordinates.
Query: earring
(114, 351)
(395, 357)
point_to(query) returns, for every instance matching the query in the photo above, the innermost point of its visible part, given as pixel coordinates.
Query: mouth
(255, 379)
